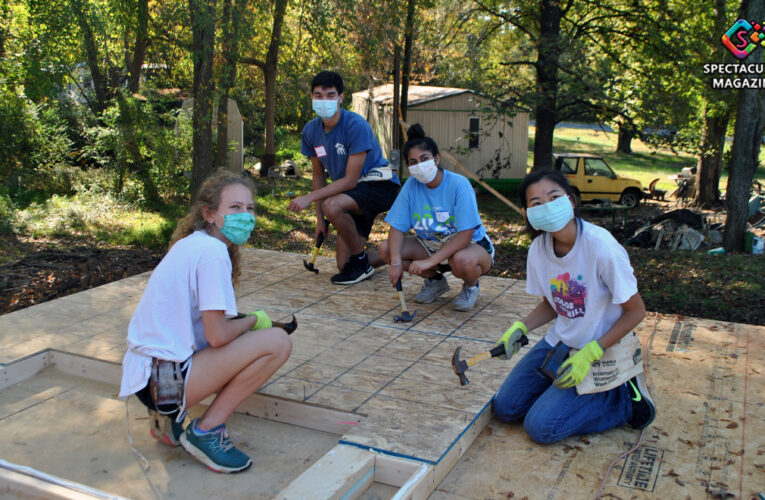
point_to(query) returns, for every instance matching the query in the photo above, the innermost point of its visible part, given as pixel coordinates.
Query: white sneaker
(467, 298)
(431, 290)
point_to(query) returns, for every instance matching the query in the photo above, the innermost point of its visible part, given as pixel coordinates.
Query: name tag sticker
(442, 216)
(320, 151)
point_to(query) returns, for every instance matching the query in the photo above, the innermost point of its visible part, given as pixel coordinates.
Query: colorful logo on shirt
(568, 295)
(340, 148)
(441, 225)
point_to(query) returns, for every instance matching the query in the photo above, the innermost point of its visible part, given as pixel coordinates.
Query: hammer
(315, 252)
(461, 365)
(405, 315)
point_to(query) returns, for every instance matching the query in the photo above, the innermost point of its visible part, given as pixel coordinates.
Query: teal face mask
(551, 216)
(237, 227)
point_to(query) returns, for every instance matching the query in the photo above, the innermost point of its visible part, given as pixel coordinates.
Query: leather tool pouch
(167, 385)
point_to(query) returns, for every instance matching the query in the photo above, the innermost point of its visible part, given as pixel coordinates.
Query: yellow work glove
(575, 368)
(512, 339)
(263, 320)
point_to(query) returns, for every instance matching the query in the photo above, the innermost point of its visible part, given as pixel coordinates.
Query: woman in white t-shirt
(588, 287)
(186, 340)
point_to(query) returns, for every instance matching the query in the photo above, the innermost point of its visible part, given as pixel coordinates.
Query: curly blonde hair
(209, 196)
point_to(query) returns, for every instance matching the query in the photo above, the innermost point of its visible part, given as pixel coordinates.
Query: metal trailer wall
(447, 121)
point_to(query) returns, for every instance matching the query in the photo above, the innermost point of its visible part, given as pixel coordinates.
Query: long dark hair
(551, 175)
(416, 138)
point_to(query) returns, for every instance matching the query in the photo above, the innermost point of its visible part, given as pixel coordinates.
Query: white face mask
(425, 171)
(326, 109)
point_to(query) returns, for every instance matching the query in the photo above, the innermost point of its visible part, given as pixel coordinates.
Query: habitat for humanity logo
(743, 37)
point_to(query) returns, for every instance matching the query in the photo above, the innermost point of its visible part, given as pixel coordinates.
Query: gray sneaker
(467, 298)
(431, 290)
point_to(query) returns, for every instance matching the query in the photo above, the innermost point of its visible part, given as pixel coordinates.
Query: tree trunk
(269, 74)
(710, 159)
(746, 146)
(624, 142)
(227, 76)
(141, 41)
(548, 53)
(203, 43)
(717, 111)
(407, 66)
(91, 50)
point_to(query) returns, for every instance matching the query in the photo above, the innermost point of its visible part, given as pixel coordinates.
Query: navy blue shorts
(372, 197)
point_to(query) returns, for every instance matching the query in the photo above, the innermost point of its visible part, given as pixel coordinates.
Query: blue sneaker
(643, 407)
(214, 449)
(165, 429)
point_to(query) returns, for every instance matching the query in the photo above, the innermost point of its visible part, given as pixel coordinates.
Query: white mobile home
(494, 146)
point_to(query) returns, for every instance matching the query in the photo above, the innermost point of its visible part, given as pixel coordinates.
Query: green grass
(96, 217)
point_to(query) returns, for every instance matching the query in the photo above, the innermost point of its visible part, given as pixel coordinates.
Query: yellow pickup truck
(592, 179)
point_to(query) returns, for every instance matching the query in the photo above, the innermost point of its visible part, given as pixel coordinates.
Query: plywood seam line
(743, 424)
(467, 172)
(647, 350)
(431, 349)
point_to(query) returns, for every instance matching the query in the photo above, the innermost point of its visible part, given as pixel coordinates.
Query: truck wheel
(630, 198)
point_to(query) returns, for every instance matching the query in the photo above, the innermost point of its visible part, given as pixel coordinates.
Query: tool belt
(619, 363)
(378, 174)
(167, 384)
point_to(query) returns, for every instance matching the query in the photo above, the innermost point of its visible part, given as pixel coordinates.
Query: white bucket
(758, 245)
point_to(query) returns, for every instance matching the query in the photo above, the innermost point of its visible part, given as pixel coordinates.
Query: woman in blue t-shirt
(441, 208)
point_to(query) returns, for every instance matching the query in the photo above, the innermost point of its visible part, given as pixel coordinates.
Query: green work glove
(512, 339)
(575, 368)
(263, 320)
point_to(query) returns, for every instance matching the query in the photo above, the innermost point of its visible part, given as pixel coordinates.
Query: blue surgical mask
(237, 227)
(551, 216)
(326, 109)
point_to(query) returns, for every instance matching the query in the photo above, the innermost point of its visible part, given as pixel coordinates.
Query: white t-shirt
(586, 286)
(194, 276)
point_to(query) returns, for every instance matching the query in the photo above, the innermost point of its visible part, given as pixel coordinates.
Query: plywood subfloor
(74, 428)
(349, 355)
(708, 440)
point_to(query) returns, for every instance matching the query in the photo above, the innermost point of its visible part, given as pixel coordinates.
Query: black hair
(416, 138)
(554, 176)
(326, 79)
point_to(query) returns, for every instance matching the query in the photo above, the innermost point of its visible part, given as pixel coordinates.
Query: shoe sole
(647, 398)
(360, 278)
(164, 439)
(202, 457)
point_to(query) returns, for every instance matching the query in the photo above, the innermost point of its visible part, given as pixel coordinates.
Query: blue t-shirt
(436, 213)
(352, 134)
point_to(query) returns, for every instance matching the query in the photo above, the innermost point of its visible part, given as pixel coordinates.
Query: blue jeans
(550, 414)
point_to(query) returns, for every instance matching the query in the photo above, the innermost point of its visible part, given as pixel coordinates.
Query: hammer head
(459, 366)
(291, 326)
(405, 317)
(309, 266)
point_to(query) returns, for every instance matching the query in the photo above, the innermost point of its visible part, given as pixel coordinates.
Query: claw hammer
(461, 365)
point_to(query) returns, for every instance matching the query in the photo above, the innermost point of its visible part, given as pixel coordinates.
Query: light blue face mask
(326, 109)
(238, 227)
(551, 216)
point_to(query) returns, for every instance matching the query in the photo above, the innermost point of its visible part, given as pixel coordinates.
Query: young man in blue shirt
(340, 143)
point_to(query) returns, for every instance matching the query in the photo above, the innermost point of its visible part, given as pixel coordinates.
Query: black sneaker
(355, 270)
(643, 408)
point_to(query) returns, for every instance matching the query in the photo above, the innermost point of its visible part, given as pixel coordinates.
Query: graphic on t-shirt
(436, 227)
(340, 148)
(568, 295)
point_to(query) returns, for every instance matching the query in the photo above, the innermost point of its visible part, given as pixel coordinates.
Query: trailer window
(475, 127)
